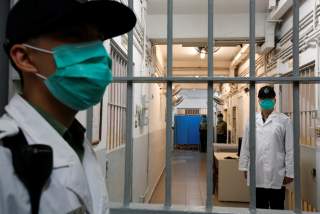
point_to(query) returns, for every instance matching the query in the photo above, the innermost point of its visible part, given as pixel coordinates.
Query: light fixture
(176, 90)
(218, 100)
(203, 51)
(179, 101)
(176, 100)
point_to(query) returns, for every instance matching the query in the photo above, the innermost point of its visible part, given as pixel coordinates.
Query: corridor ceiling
(187, 61)
(190, 31)
(181, 53)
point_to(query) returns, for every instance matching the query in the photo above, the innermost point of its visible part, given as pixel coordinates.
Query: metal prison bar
(168, 167)
(296, 107)
(252, 109)
(4, 62)
(127, 206)
(129, 153)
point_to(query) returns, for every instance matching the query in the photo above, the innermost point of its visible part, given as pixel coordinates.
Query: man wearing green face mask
(46, 164)
(274, 152)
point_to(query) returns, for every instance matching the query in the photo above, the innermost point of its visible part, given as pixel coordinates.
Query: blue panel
(180, 129)
(187, 129)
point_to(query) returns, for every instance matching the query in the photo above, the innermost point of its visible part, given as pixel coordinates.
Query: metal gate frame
(4, 60)
(252, 80)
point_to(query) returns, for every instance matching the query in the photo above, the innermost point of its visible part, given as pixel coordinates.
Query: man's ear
(20, 55)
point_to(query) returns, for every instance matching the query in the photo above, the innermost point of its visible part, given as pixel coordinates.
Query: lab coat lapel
(38, 131)
(270, 119)
(96, 180)
(259, 121)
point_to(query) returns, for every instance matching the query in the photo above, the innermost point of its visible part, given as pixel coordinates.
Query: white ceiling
(201, 6)
(181, 53)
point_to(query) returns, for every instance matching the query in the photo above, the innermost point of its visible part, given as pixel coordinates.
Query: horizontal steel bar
(282, 80)
(176, 209)
(118, 106)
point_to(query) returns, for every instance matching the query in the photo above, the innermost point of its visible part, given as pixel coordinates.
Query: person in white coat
(274, 152)
(57, 48)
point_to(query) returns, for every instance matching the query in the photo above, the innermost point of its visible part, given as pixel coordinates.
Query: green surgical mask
(267, 104)
(83, 72)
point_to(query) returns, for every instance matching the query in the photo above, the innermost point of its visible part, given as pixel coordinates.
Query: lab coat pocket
(280, 169)
(59, 199)
(80, 210)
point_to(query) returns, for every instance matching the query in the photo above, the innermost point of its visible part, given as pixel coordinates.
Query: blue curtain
(186, 130)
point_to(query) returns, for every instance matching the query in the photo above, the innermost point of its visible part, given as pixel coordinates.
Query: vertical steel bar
(89, 131)
(252, 124)
(280, 98)
(129, 156)
(4, 61)
(210, 107)
(168, 168)
(296, 106)
(316, 107)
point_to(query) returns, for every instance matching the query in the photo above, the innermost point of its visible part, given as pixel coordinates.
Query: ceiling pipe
(279, 11)
(270, 25)
(272, 4)
(269, 44)
(239, 58)
(176, 90)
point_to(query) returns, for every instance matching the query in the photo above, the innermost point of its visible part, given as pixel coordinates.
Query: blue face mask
(83, 72)
(267, 104)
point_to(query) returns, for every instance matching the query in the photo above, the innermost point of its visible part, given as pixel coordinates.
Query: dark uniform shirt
(74, 135)
(221, 127)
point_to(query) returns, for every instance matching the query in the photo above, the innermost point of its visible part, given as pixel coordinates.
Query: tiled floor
(188, 181)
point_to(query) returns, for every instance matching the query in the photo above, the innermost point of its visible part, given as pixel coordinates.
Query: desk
(232, 185)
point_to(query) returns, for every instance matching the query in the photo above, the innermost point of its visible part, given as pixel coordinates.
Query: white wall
(241, 102)
(193, 99)
(148, 155)
(306, 7)
(156, 138)
(148, 145)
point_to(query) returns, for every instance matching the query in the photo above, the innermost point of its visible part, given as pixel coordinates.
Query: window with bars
(294, 81)
(116, 134)
(192, 111)
(307, 106)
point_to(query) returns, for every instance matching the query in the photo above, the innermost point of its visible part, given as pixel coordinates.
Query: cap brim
(110, 17)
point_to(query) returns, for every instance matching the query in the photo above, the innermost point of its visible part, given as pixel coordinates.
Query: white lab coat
(274, 151)
(73, 187)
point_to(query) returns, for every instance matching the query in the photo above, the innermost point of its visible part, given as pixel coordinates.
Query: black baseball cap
(266, 92)
(31, 18)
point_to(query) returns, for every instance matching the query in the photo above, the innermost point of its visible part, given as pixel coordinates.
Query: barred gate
(295, 80)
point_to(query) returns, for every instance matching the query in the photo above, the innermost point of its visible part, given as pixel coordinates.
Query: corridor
(188, 181)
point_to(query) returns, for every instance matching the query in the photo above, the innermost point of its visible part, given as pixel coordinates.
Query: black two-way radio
(32, 164)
